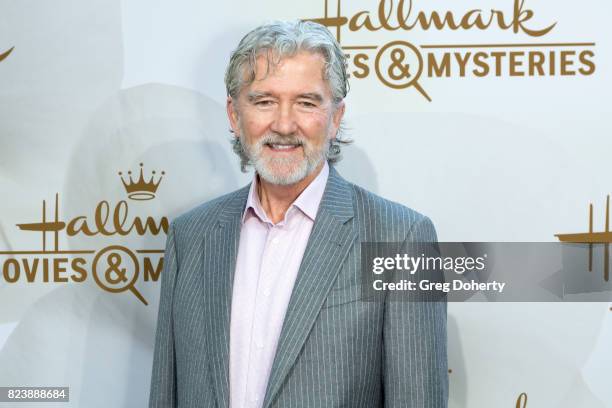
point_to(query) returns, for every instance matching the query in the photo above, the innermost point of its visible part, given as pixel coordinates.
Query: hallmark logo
(141, 190)
(114, 268)
(400, 64)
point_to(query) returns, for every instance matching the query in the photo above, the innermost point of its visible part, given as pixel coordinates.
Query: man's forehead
(301, 75)
(269, 62)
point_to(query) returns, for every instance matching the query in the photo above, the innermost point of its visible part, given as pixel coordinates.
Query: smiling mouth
(280, 147)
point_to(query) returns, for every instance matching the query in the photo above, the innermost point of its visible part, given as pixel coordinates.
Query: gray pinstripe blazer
(334, 350)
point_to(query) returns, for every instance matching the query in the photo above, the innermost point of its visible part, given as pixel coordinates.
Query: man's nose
(284, 122)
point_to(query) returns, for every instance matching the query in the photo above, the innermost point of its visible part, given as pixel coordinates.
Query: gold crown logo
(141, 190)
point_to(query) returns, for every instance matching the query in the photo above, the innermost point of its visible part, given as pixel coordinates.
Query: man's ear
(337, 116)
(232, 115)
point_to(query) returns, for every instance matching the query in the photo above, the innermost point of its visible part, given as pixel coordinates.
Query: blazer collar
(337, 200)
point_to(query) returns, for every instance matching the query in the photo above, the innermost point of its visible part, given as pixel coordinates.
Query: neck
(276, 199)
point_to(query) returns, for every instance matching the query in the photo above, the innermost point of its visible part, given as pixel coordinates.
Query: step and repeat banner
(491, 117)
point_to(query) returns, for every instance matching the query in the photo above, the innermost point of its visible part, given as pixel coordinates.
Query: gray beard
(274, 170)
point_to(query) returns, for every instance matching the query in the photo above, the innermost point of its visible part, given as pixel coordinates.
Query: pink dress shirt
(269, 257)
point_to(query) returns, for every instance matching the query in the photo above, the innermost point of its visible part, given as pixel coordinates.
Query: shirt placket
(268, 273)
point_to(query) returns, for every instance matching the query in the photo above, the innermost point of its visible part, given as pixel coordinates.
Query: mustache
(275, 138)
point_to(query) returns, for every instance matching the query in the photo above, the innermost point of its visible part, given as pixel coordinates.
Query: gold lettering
(521, 16)
(462, 60)
(586, 58)
(119, 217)
(355, 24)
(79, 225)
(501, 19)
(567, 62)
(536, 63)
(149, 272)
(434, 19)
(515, 63)
(58, 268)
(101, 217)
(438, 70)
(473, 18)
(440, 20)
(150, 225)
(385, 16)
(6, 270)
(498, 55)
(30, 271)
(81, 273)
(45, 270)
(551, 63)
(401, 18)
(360, 63)
(480, 62)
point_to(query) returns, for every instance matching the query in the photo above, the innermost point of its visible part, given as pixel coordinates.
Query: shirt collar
(308, 201)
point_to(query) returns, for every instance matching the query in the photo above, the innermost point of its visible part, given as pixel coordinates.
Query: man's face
(285, 118)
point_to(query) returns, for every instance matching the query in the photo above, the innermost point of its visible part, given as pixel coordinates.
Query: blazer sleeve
(415, 372)
(163, 375)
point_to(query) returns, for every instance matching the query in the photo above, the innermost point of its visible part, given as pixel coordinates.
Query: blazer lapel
(220, 249)
(330, 240)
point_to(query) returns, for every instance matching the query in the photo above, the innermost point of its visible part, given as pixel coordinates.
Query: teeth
(282, 147)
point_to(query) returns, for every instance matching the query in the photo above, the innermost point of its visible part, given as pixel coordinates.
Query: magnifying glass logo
(399, 65)
(111, 273)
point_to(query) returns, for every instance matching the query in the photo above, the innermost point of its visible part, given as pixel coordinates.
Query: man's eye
(307, 104)
(263, 103)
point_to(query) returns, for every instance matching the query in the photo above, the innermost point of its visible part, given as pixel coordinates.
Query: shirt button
(259, 345)
(275, 241)
(266, 293)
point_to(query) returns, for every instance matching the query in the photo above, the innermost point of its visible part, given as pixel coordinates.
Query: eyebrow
(254, 96)
(312, 95)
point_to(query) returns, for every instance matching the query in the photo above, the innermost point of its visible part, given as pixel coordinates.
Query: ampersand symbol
(114, 260)
(397, 56)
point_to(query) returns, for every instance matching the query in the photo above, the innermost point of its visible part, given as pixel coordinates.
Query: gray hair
(281, 39)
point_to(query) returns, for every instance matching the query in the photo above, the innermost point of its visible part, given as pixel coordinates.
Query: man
(260, 303)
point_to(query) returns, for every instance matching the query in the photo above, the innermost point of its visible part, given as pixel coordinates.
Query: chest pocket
(341, 296)
(347, 287)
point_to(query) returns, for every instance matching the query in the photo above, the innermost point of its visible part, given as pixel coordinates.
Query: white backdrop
(93, 88)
